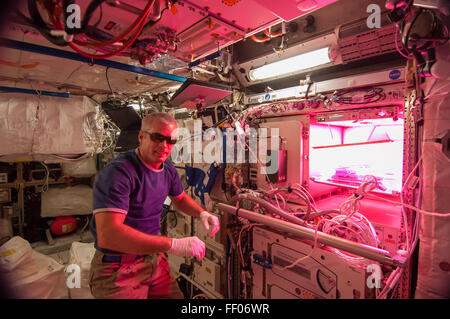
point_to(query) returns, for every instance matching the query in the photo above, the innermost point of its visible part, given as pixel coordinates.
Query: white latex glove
(208, 220)
(188, 246)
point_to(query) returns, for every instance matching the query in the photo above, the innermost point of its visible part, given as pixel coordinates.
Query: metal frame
(373, 253)
(29, 47)
(36, 92)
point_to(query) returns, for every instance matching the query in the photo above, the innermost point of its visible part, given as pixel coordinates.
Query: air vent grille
(368, 44)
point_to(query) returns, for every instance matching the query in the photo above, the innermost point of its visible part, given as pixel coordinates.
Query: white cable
(354, 222)
(357, 225)
(351, 205)
(424, 212)
(254, 155)
(47, 175)
(310, 253)
(239, 241)
(410, 206)
(233, 179)
(405, 219)
(313, 203)
(282, 200)
(390, 283)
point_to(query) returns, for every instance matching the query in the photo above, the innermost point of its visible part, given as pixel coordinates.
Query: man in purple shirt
(128, 198)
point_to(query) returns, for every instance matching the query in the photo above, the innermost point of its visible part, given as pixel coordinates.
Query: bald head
(147, 121)
(158, 130)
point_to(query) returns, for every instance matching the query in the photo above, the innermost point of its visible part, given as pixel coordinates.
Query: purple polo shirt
(128, 186)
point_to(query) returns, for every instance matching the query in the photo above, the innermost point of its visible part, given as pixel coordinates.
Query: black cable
(93, 5)
(37, 22)
(100, 18)
(151, 23)
(368, 98)
(307, 90)
(107, 79)
(405, 40)
(408, 37)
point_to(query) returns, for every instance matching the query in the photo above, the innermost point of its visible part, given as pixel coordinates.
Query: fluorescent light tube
(293, 64)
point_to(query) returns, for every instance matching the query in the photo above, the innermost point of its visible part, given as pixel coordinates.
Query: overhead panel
(202, 27)
(207, 36)
(174, 35)
(292, 9)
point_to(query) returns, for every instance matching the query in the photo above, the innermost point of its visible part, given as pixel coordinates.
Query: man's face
(154, 151)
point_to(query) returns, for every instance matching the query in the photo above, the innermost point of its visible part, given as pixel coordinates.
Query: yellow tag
(7, 253)
(16, 160)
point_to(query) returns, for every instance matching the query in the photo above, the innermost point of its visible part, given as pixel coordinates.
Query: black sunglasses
(156, 137)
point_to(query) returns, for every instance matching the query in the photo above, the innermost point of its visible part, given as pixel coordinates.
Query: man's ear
(140, 137)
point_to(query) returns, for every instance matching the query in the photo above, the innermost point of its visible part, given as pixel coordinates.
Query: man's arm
(189, 206)
(113, 234)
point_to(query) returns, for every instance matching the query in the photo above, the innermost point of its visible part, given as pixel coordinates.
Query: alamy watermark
(374, 19)
(374, 279)
(74, 18)
(73, 279)
(211, 145)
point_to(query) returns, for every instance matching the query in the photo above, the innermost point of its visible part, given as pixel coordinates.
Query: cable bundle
(355, 228)
(352, 225)
(59, 33)
(136, 27)
(370, 95)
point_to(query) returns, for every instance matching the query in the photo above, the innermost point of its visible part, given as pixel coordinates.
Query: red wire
(104, 56)
(268, 36)
(273, 35)
(138, 21)
(256, 39)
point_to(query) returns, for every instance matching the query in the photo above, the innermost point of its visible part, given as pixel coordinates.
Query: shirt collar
(146, 165)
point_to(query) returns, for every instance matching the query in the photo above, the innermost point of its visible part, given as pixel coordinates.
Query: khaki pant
(144, 278)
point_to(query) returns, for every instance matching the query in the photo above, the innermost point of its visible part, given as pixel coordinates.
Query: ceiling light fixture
(290, 65)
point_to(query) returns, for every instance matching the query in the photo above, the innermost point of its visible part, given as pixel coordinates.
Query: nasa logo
(394, 74)
(267, 97)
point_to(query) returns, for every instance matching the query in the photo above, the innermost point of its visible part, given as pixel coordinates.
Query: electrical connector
(239, 128)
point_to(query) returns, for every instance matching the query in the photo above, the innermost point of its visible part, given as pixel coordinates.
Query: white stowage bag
(14, 252)
(84, 168)
(433, 277)
(31, 275)
(67, 201)
(81, 254)
(41, 128)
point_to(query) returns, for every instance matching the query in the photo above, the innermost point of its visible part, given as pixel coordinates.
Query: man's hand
(188, 246)
(208, 220)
